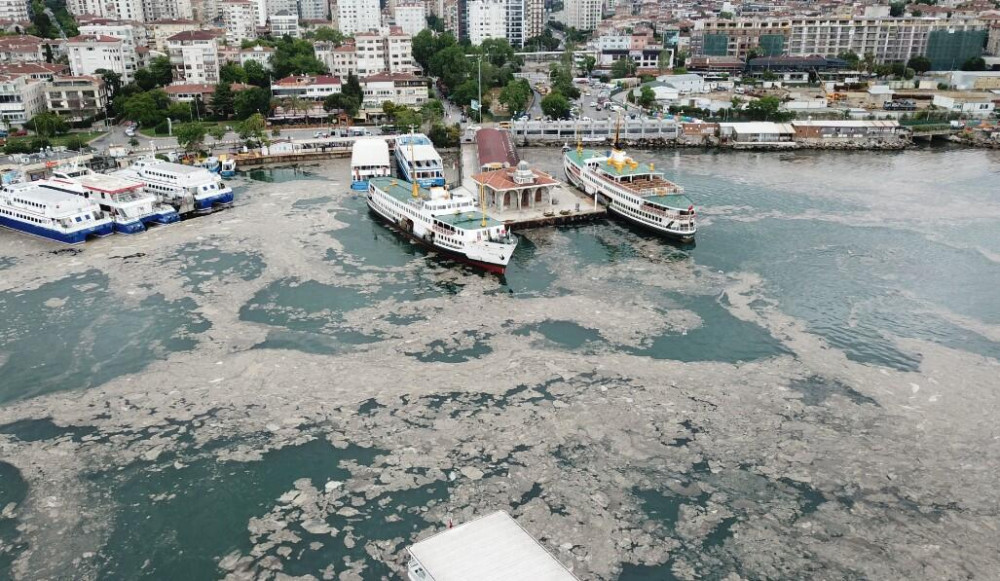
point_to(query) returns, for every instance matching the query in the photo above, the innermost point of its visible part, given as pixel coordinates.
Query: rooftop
(495, 146)
(391, 77)
(503, 179)
(307, 81)
(491, 548)
(93, 38)
(193, 35)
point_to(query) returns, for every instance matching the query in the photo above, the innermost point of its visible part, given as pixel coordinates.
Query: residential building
(34, 71)
(206, 10)
(240, 18)
(400, 88)
(14, 10)
(22, 49)
(21, 98)
(411, 17)
(261, 54)
(284, 23)
(383, 50)
(76, 98)
(161, 30)
(194, 56)
(167, 9)
(741, 37)
(306, 87)
(90, 52)
(353, 16)
(583, 14)
(81, 7)
(534, 18)
(341, 60)
(279, 6)
(487, 19)
(132, 34)
(187, 93)
(314, 10)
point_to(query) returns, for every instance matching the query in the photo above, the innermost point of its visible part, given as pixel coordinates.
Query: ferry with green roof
(637, 193)
(447, 221)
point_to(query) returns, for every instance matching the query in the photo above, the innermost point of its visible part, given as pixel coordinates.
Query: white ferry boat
(120, 198)
(446, 221)
(418, 160)
(369, 159)
(637, 193)
(227, 166)
(40, 209)
(186, 188)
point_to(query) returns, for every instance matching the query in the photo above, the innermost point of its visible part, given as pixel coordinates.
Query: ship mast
(618, 126)
(482, 202)
(413, 168)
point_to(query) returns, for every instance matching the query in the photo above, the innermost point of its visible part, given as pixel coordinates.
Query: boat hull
(129, 227)
(359, 185)
(75, 237)
(573, 177)
(457, 256)
(210, 203)
(228, 173)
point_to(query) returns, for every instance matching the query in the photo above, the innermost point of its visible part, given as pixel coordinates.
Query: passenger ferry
(446, 221)
(227, 166)
(369, 159)
(186, 188)
(418, 160)
(637, 193)
(120, 198)
(41, 209)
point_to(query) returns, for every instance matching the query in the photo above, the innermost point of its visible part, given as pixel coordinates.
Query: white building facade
(89, 52)
(583, 14)
(354, 16)
(194, 57)
(240, 18)
(411, 17)
(487, 19)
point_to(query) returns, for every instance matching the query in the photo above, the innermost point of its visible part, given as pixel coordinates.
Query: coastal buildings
(194, 56)
(22, 49)
(353, 16)
(21, 98)
(76, 99)
(411, 17)
(382, 50)
(284, 23)
(314, 10)
(240, 18)
(487, 19)
(91, 52)
(583, 14)
(306, 87)
(400, 88)
(258, 53)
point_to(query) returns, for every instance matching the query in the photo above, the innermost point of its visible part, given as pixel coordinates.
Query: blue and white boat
(123, 199)
(369, 159)
(39, 209)
(187, 188)
(227, 166)
(210, 163)
(418, 160)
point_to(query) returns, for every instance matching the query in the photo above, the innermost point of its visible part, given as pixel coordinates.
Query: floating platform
(569, 207)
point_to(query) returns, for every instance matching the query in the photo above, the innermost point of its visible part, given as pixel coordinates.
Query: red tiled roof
(32, 68)
(495, 146)
(305, 81)
(501, 179)
(390, 77)
(93, 38)
(194, 35)
(189, 88)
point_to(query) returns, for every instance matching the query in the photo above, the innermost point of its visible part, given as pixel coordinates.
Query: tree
(851, 58)
(327, 34)
(974, 64)
(253, 128)
(161, 70)
(920, 64)
(897, 9)
(764, 109)
(342, 102)
(145, 79)
(500, 52)
(251, 101)
(555, 105)
(112, 81)
(232, 73)
(515, 95)
(190, 136)
(647, 97)
(222, 100)
(295, 56)
(257, 74)
(48, 124)
(352, 89)
(663, 61)
(451, 66)
(295, 105)
(589, 63)
(147, 109)
(444, 135)
(432, 111)
(423, 48)
(179, 112)
(435, 23)
(622, 68)
(217, 132)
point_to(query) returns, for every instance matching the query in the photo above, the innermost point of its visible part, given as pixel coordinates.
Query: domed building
(516, 188)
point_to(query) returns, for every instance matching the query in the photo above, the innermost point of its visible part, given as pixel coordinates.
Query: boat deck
(468, 220)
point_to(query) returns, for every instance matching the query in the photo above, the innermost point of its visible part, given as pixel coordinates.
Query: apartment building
(90, 52)
(353, 16)
(314, 9)
(240, 18)
(306, 87)
(22, 49)
(583, 14)
(132, 35)
(887, 39)
(284, 23)
(76, 98)
(161, 30)
(260, 54)
(534, 18)
(411, 17)
(14, 10)
(487, 19)
(21, 98)
(400, 88)
(194, 57)
(167, 10)
(381, 50)
(34, 71)
(341, 60)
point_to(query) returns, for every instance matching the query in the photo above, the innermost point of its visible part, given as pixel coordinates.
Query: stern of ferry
(131, 227)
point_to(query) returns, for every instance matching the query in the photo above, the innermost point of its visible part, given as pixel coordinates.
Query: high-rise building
(411, 17)
(534, 18)
(14, 10)
(353, 16)
(284, 23)
(383, 50)
(314, 9)
(133, 36)
(240, 18)
(90, 52)
(487, 19)
(166, 10)
(583, 14)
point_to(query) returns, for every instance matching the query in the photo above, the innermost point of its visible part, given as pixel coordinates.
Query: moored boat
(446, 221)
(186, 188)
(122, 199)
(637, 193)
(41, 209)
(418, 161)
(369, 159)
(227, 166)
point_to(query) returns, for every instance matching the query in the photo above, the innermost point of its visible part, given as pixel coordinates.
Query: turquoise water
(838, 241)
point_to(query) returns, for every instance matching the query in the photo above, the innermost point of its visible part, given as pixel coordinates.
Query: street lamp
(481, 86)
